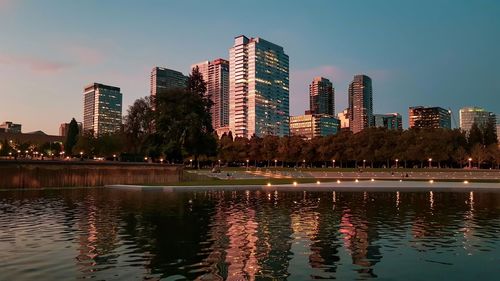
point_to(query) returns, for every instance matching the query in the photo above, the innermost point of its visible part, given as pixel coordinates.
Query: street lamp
(114, 157)
(81, 155)
(191, 163)
(304, 161)
(364, 163)
(275, 163)
(470, 160)
(161, 160)
(247, 163)
(430, 162)
(10, 155)
(333, 163)
(397, 160)
(219, 163)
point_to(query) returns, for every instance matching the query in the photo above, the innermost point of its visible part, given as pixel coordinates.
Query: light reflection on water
(105, 234)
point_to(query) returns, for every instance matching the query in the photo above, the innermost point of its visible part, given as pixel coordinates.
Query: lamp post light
(10, 155)
(333, 163)
(191, 163)
(397, 160)
(81, 155)
(161, 160)
(470, 163)
(219, 163)
(275, 163)
(364, 163)
(114, 157)
(430, 162)
(247, 163)
(304, 162)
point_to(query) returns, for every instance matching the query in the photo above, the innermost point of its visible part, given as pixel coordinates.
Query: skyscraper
(216, 75)
(429, 117)
(391, 121)
(258, 88)
(102, 110)
(163, 79)
(344, 118)
(477, 115)
(321, 96)
(360, 103)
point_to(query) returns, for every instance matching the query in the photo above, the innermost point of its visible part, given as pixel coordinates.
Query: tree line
(175, 127)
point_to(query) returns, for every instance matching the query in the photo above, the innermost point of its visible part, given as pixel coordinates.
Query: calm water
(102, 234)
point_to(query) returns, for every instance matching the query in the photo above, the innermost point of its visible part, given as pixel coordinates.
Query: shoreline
(360, 186)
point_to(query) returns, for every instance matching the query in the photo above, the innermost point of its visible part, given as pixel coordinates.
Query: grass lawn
(241, 169)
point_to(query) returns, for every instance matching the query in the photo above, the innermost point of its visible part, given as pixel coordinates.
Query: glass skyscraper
(102, 110)
(321, 96)
(360, 103)
(391, 121)
(163, 79)
(310, 126)
(258, 88)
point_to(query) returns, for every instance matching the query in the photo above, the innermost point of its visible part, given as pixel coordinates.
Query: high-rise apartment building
(313, 125)
(477, 115)
(391, 121)
(216, 74)
(321, 96)
(429, 117)
(163, 79)
(102, 110)
(258, 88)
(360, 103)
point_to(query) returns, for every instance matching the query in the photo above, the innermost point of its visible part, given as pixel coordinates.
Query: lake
(111, 234)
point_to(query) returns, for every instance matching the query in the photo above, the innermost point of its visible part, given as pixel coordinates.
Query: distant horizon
(417, 54)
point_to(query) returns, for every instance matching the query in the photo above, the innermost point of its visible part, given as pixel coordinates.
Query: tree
(139, 125)
(489, 131)
(479, 154)
(5, 148)
(72, 136)
(475, 136)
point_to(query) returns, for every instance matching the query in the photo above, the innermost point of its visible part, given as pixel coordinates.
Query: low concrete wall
(34, 174)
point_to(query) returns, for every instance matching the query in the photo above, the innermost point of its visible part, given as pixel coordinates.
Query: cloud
(85, 55)
(35, 64)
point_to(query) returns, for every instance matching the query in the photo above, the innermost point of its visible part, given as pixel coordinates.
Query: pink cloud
(35, 64)
(85, 55)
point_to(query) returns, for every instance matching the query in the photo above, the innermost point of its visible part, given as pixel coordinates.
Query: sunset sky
(437, 52)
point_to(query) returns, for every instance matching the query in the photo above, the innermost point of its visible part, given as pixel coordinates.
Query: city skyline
(423, 60)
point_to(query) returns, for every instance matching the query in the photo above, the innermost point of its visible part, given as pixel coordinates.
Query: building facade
(429, 117)
(391, 121)
(216, 74)
(163, 79)
(314, 125)
(258, 88)
(10, 127)
(344, 118)
(477, 115)
(321, 96)
(102, 111)
(360, 103)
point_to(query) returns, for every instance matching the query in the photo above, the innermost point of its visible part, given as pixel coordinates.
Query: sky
(429, 52)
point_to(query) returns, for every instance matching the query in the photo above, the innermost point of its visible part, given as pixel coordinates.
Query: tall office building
(163, 79)
(258, 88)
(216, 75)
(321, 96)
(360, 103)
(429, 117)
(314, 125)
(477, 115)
(102, 110)
(391, 121)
